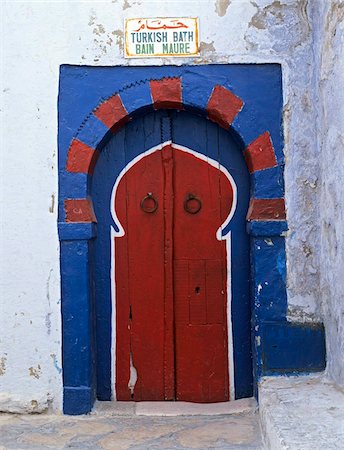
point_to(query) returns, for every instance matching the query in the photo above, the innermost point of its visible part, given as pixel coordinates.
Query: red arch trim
(81, 158)
(167, 93)
(79, 210)
(222, 108)
(260, 154)
(266, 209)
(112, 113)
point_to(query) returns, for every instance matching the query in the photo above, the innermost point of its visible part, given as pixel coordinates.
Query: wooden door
(173, 284)
(171, 278)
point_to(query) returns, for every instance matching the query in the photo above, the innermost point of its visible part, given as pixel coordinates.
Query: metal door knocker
(192, 204)
(149, 203)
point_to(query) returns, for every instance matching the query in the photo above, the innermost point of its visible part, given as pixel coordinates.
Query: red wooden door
(171, 279)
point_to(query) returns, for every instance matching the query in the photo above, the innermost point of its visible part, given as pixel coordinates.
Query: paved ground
(297, 413)
(109, 432)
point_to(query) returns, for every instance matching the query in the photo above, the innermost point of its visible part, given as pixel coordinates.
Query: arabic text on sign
(161, 37)
(158, 25)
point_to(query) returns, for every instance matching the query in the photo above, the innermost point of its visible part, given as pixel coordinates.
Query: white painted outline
(219, 236)
(113, 313)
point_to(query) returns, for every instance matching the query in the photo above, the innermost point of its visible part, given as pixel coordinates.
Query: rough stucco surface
(284, 31)
(331, 141)
(39, 36)
(301, 413)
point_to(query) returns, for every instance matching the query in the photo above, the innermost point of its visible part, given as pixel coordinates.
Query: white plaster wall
(330, 82)
(38, 37)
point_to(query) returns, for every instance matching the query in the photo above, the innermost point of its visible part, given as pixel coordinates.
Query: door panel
(221, 145)
(201, 363)
(140, 281)
(201, 344)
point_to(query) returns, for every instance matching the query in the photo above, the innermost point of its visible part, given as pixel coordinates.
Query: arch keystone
(167, 93)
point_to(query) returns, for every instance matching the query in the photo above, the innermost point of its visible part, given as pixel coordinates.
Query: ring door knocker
(192, 204)
(149, 203)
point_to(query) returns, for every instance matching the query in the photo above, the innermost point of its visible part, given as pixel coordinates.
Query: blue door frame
(94, 104)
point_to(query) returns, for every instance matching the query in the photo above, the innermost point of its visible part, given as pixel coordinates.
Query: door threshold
(170, 408)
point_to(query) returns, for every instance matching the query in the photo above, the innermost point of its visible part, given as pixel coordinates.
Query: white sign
(173, 36)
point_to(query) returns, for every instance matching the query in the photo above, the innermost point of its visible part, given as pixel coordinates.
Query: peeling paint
(34, 404)
(35, 372)
(92, 18)
(221, 7)
(258, 20)
(52, 205)
(119, 38)
(206, 47)
(300, 314)
(133, 376)
(55, 362)
(98, 29)
(3, 360)
(311, 183)
(48, 314)
(307, 250)
(288, 22)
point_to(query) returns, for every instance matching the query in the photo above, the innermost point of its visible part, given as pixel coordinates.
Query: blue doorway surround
(246, 100)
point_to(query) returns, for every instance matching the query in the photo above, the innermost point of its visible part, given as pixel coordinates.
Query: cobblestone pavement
(236, 431)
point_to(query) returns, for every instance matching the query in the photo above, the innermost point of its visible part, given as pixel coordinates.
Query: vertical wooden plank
(140, 271)
(146, 272)
(167, 160)
(181, 292)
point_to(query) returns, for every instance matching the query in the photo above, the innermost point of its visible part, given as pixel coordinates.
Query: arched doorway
(244, 100)
(180, 296)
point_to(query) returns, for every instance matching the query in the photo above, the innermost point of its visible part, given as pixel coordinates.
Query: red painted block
(112, 113)
(81, 158)
(167, 93)
(79, 210)
(260, 154)
(266, 209)
(223, 106)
